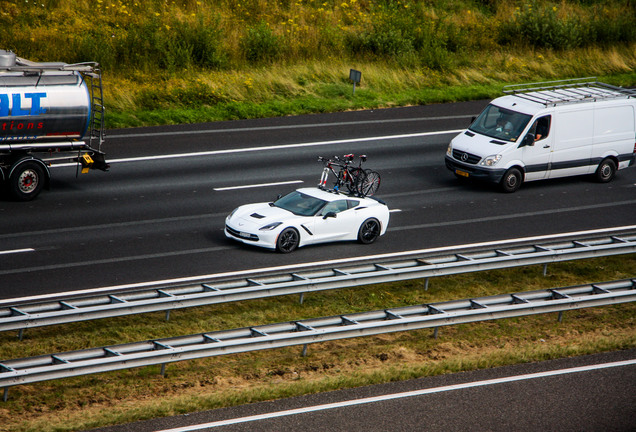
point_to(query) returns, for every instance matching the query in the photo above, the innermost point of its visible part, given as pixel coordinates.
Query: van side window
(541, 128)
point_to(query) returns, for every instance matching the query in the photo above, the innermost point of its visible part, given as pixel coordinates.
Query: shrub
(541, 27)
(261, 44)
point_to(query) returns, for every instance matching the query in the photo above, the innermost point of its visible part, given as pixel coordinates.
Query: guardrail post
(304, 354)
(560, 316)
(435, 332)
(426, 284)
(5, 395)
(168, 315)
(20, 334)
(163, 370)
(545, 269)
(302, 297)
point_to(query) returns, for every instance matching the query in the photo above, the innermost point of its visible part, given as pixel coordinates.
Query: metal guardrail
(162, 351)
(30, 315)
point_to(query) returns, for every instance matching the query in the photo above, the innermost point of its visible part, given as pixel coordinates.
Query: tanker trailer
(50, 113)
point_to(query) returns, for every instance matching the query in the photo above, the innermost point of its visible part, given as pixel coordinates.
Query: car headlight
(449, 150)
(231, 214)
(490, 160)
(270, 227)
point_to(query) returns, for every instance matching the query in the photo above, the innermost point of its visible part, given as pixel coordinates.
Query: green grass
(142, 393)
(167, 62)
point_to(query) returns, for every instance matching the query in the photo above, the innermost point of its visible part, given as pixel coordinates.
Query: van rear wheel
(606, 171)
(511, 180)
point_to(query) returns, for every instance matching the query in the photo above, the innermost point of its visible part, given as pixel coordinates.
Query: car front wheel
(369, 231)
(287, 240)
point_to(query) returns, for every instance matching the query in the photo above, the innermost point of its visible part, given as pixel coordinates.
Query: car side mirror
(329, 215)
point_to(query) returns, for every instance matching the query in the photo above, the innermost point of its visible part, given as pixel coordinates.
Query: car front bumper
(266, 239)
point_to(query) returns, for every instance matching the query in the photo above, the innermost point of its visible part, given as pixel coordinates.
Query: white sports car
(308, 216)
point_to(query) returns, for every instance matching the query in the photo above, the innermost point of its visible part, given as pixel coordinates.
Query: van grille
(466, 157)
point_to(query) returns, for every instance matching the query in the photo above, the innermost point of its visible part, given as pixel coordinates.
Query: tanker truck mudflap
(50, 114)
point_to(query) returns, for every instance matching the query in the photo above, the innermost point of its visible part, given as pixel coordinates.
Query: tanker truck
(50, 114)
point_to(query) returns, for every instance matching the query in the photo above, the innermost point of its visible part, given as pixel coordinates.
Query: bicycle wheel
(356, 179)
(371, 183)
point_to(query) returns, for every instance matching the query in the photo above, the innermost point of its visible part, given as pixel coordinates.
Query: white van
(548, 130)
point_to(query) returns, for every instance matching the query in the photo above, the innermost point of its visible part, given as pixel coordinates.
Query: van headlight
(449, 150)
(490, 160)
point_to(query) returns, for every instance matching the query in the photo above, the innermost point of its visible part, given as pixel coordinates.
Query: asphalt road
(159, 213)
(588, 393)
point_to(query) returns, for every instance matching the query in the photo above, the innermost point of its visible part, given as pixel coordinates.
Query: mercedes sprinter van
(548, 130)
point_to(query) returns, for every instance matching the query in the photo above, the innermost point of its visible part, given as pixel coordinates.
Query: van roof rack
(568, 91)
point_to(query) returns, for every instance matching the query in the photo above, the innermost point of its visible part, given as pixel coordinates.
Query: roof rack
(11, 63)
(568, 91)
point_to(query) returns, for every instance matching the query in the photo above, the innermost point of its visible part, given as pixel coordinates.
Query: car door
(336, 221)
(538, 156)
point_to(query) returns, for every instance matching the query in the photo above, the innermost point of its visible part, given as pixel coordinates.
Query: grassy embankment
(125, 396)
(195, 61)
(191, 61)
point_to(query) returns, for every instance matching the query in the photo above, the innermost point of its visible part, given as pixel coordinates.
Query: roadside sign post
(355, 76)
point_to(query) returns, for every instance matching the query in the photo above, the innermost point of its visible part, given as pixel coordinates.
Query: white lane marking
(509, 216)
(290, 267)
(403, 395)
(257, 185)
(395, 211)
(14, 251)
(283, 127)
(268, 148)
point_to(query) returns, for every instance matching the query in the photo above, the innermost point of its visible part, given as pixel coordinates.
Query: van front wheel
(511, 180)
(606, 171)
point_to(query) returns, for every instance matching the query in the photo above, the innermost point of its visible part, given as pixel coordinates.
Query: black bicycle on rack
(357, 180)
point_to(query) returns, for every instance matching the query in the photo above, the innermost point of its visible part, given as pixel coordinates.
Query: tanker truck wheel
(26, 181)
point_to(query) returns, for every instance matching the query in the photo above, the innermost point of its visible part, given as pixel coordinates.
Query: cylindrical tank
(40, 106)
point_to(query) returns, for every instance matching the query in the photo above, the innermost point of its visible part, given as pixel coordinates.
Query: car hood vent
(257, 216)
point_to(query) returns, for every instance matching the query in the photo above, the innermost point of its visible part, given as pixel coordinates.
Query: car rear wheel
(287, 240)
(369, 231)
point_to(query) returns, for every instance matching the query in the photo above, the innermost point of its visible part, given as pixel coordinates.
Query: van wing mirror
(529, 140)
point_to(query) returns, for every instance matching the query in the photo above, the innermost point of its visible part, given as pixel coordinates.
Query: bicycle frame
(345, 175)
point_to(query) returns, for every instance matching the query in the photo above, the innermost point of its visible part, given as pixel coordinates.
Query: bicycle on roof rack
(358, 181)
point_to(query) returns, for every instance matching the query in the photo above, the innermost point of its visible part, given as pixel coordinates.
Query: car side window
(541, 128)
(335, 207)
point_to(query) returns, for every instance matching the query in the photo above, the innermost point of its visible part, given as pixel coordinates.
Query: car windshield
(500, 123)
(300, 204)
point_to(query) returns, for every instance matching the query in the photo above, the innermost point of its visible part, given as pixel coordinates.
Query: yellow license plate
(462, 173)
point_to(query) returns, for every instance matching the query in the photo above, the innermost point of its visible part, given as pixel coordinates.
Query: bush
(261, 44)
(541, 27)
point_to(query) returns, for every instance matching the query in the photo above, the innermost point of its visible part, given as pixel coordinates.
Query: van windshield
(500, 123)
